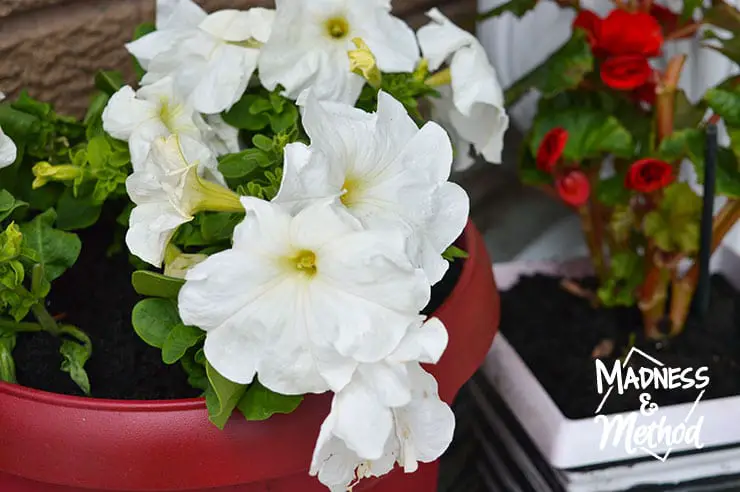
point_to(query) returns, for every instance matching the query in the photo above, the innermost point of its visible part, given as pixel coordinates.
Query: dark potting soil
(555, 332)
(96, 295)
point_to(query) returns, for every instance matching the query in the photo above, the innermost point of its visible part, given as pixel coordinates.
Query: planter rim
(181, 404)
(575, 443)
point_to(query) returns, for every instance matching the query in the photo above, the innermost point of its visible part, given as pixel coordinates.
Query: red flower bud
(626, 72)
(630, 33)
(573, 187)
(551, 149)
(591, 23)
(648, 175)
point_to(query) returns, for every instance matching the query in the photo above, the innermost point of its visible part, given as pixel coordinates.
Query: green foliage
(8, 205)
(15, 300)
(691, 144)
(55, 250)
(259, 403)
(193, 363)
(179, 340)
(518, 8)
(153, 284)
(260, 110)
(612, 192)
(222, 396)
(453, 252)
(564, 70)
(407, 88)
(726, 103)
(76, 350)
(625, 277)
(591, 133)
(528, 170)
(153, 319)
(674, 225)
(7, 364)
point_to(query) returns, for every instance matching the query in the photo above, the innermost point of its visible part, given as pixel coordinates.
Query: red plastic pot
(58, 443)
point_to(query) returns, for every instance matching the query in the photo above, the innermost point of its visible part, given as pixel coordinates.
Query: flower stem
(443, 77)
(683, 289)
(20, 327)
(46, 320)
(593, 239)
(666, 99)
(653, 296)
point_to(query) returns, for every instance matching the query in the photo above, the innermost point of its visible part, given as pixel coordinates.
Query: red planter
(58, 443)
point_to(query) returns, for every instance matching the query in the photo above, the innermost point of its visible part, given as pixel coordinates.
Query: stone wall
(53, 47)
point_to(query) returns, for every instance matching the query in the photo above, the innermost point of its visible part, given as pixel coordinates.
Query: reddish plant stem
(683, 289)
(666, 99)
(683, 31)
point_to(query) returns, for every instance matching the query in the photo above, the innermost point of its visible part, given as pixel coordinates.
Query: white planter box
(569, 444)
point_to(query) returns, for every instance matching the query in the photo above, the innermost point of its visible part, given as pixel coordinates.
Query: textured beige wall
(53, 47)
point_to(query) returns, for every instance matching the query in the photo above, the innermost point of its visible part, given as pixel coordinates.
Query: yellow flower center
(337, 27)
(305, 262)
(168, 114)
(350, 191)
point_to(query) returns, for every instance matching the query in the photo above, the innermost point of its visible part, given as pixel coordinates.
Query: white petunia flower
(176, 20)
(212, 64)
(387, 172)
(310, 43)
(362, 437)
(176, 180)
(301, 301)
(473, 108)
(8, 150)
(153, 111)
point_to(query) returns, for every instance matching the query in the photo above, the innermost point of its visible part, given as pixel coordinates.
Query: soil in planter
(555, 333)
(96, 296)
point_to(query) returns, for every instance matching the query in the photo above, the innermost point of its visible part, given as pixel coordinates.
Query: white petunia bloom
(473, 107)
(153, 111)
(168, 188)
(310, 43)
(8, 150)
(212, 64)
(176, 20)
(301, 300)
(387, 172)
(362, 437)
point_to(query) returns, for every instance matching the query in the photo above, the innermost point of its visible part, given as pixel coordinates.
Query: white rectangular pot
(569, 444)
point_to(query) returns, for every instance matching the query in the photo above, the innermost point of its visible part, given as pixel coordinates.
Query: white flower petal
(389, 382)
(8, 150)
(240, 25)
(124, 113)
(362, 421)
(222, 137)
(423, 343)
(391, 41)
(151, 226)
(225, 79)
(234, 351)
(441, 38)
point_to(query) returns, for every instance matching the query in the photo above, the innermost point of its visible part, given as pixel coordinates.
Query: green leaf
(564, 70)
(56, 250)
(109, 81)
(723, 15)
(591, 133)
(77, 212)
(222, 396)
(687, 115)
(217, 227)
(611, 191)
(8, 204)
(259, 403)
(517, 7)
(691, 144)
(76, 350)
(153, 319)
(625, 277)
(241, 164)
(263, 143)
(240, 116)
(180, 339)
(29, 105)
(453, 252)
(152, 284)
(674, 225)
(196, 371)
(284, 121)
(725, 103)
(7, 364)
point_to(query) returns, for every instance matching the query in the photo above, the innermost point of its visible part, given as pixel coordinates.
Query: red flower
(591, 23)
(573, 187)
(648, 175)
(626, 72)
(551, 149)
(630, 33)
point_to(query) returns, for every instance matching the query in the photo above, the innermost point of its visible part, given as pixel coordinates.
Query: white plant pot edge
(567, 443)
